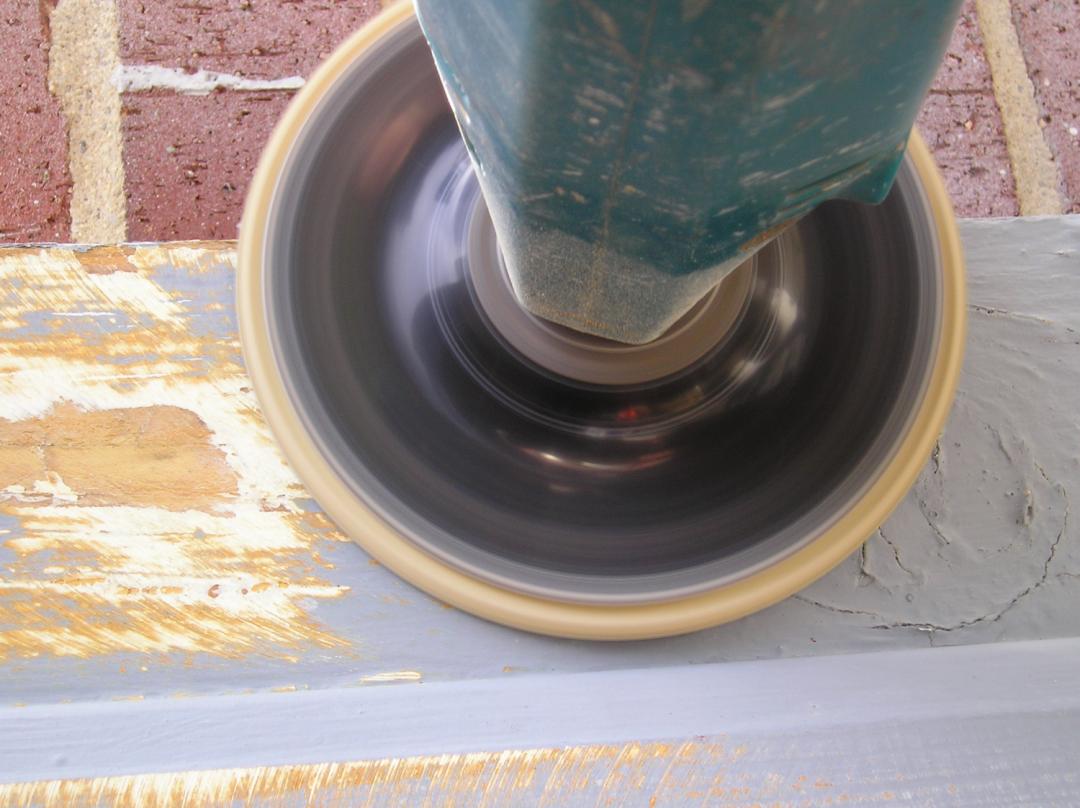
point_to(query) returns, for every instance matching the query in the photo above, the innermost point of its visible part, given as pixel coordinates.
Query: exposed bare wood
(148, 508)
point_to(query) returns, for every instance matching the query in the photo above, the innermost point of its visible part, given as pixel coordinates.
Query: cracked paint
(988, 527)
(1011, 569)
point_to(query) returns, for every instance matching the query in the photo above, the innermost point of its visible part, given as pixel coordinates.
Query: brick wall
(186, 159)
(33, 161)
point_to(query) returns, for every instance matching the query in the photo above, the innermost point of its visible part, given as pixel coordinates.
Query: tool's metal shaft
(633, 153)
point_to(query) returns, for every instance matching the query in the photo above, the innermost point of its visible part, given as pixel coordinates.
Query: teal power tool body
(609, 318)
(634, 153)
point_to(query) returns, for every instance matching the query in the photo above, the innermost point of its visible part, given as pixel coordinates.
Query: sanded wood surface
(155, 549)
(145, 507)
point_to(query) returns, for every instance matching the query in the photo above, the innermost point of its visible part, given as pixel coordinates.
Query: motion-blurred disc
(556, 482)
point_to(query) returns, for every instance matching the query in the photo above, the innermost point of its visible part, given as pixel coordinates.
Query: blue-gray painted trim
(896, 697)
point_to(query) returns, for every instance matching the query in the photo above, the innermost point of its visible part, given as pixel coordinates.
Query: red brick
(189, 160)
(1049, 32)
(36, 187)
(254, 38)
(962, 125)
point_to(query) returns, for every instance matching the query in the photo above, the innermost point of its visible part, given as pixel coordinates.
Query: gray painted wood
(998, 723)
(984, 550)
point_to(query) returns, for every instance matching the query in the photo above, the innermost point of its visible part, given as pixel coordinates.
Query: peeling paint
(148, 456)
(135, 467)
(909, 587)
(652, 774)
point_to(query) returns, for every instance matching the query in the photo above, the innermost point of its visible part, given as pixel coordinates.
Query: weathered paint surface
(154, 544)
(120, 372)
(990, 724)
(653, 774)
(144, 505)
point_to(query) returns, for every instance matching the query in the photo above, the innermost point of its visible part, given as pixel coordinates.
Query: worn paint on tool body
(629, 163)
(143, 503)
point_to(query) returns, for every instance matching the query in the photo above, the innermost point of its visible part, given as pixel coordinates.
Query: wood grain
(145, 506)
(652, 774)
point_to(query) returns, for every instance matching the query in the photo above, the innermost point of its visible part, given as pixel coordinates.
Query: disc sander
(557, 482)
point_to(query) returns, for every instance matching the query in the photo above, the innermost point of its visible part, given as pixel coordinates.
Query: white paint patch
(155, 541)
(52, 490)
(392, 676)
(84, 314)
(144, 78)
(194, 257)
(132, 292)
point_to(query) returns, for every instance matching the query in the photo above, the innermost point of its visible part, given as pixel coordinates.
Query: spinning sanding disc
(556, 482)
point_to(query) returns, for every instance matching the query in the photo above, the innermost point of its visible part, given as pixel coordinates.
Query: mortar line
(1034, 170)
(84, 53)
(128, 78)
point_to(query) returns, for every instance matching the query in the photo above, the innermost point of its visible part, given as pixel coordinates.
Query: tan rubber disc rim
(721, 605)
